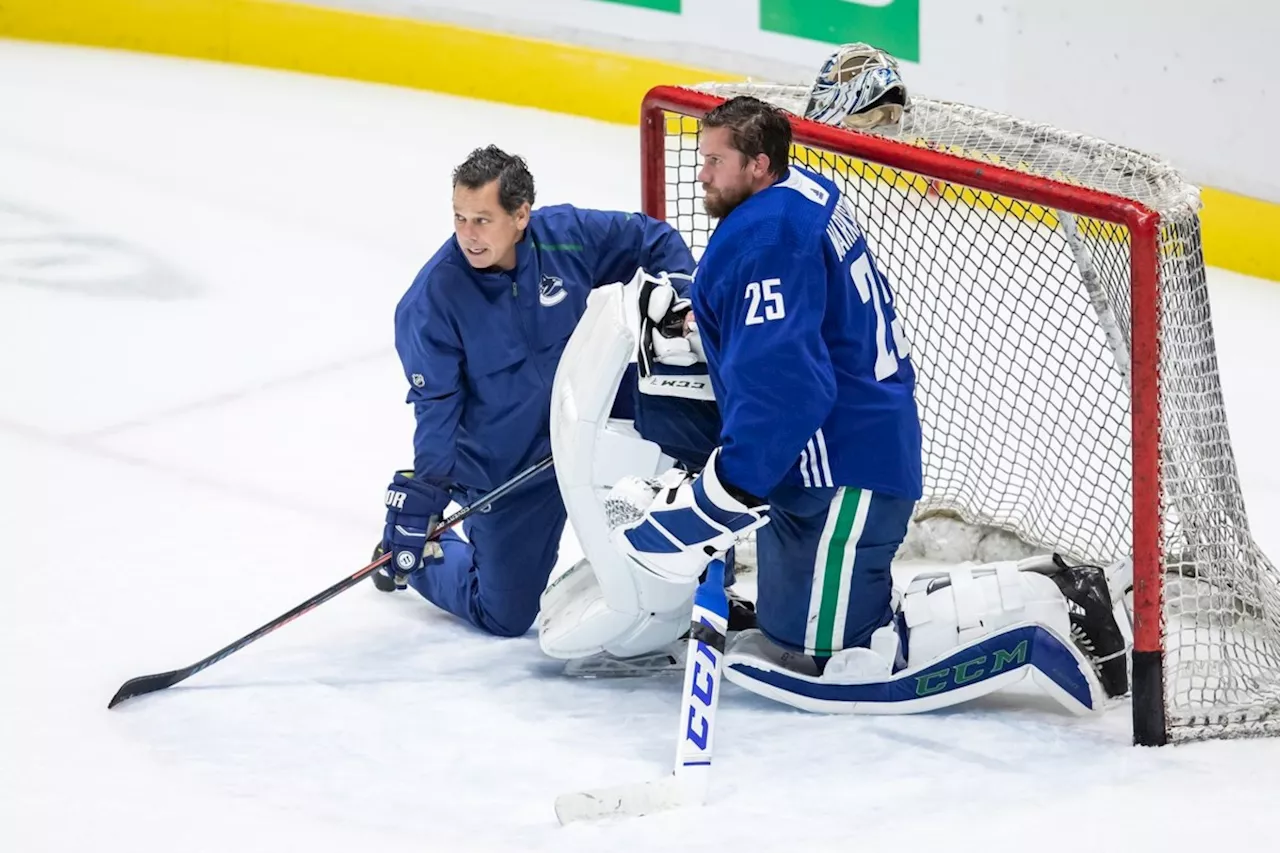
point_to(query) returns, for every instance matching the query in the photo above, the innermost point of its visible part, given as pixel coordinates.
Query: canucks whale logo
(551, 291)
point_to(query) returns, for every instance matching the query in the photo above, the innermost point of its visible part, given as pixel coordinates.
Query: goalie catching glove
(686, 520)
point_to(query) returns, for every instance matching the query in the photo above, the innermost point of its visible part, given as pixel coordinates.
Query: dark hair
(515, 183)
(757, 128)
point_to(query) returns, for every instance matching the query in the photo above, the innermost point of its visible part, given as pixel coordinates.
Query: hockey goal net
(1053, 291)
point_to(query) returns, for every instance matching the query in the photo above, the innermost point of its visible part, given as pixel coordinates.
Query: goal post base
(1150, 727)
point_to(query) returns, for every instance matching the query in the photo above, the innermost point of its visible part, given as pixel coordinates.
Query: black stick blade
(144, 684)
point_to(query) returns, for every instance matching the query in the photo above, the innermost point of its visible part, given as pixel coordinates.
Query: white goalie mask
(859, 87)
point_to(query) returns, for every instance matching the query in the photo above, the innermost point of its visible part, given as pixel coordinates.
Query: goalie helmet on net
(860, 87)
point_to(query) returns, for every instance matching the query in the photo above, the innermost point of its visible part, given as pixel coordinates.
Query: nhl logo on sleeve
(418, 380)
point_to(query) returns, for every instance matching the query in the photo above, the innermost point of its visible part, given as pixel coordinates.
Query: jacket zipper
(524, 328)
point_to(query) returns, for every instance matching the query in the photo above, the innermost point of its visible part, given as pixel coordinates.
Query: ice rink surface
(201, 407)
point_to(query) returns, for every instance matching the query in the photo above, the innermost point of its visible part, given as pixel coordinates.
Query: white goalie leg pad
(967, 606)
(949, 609)
(606, 602)
(972, 630)
(577, 620)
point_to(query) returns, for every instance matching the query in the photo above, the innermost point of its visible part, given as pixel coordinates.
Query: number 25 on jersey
(764, 301)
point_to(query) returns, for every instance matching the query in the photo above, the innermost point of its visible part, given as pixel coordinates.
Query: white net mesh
(1019, 320)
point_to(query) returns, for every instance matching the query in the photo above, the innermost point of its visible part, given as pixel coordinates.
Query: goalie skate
(1095, 628)
(670, 658)
(605, 665)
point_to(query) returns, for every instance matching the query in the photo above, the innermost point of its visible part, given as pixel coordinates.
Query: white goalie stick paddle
(691, 778)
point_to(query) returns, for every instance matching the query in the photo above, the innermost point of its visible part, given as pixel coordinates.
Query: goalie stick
(690, 779)
(144, 684)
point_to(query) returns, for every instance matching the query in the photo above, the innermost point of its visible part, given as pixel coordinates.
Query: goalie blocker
(953, 636)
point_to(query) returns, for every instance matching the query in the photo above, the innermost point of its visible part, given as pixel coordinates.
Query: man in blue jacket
(480, 333)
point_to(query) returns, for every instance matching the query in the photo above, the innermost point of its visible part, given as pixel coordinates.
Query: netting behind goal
(1053, 291)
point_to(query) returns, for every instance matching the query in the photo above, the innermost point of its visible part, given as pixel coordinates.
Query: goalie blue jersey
(806, 354)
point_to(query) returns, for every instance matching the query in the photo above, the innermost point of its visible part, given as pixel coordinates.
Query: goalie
(819, 451)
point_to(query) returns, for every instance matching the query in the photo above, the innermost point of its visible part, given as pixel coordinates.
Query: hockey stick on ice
(691, 778)
(150, 683)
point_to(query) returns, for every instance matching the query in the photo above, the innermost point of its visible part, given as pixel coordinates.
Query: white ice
(200, 407)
